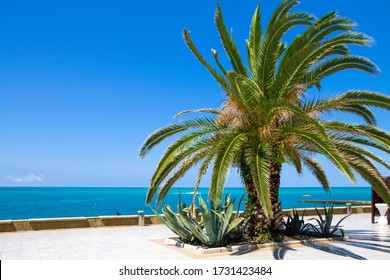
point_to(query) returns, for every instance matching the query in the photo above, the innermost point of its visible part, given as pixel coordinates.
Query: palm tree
(268, 119)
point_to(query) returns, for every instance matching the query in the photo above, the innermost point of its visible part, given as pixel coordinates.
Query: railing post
(141, 218)
(349, 208)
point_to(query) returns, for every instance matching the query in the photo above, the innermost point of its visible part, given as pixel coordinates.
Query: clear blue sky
(83, 83)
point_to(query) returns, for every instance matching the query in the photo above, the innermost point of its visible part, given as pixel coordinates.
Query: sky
(83, 83)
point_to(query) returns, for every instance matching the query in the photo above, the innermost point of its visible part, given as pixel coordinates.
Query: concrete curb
(246, 247)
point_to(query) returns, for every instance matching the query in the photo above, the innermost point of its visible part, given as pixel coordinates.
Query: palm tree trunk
(256, 223)
(274, 184)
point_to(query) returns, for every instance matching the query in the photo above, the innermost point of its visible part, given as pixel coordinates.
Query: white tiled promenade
(367, 241)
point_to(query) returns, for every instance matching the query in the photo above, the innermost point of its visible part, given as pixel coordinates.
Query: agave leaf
(303, 229)
(328, 220)
(171, 220)
(209, 222)
(314, 228)
(168, 214)
(336, 227)
(220, 225)
(319, 214)
(233, 224)
(227, 200)
(239, 205)
(226, 218)
(195, 228)
(321, 225)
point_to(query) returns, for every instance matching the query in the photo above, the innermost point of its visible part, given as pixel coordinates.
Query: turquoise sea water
(51, 202)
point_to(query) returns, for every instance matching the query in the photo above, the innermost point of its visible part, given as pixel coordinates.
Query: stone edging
(201, 250)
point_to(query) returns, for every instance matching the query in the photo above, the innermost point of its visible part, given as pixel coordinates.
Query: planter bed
(245, 247)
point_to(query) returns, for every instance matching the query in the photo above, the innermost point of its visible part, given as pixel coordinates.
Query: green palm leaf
(253, 45)
(329, 151)
(223, 160)
(258, 161)
(228, 43)
(317, 171)
(161, 134)
(219, 78)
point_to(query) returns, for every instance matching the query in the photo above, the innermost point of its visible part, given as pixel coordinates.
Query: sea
(57, 202)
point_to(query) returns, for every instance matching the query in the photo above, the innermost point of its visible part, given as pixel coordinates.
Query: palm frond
(329, 105)
(226, 152)
(202, 171)
(294, 68)
(321, 28)
(161, 134)
(220, 66)
(178, 149)
(258, 161)
(366, 98)
(356, 150)
(270, 46)
(317, 170)
(221, 80)
(366, 114)
(204, 110)
(294, 157)
(166, 166)
(370, 131)
(228, 43)
(327, 149)
(334, 65)
(372, 176)
(253, 45)
(362, 141)
(186, 165)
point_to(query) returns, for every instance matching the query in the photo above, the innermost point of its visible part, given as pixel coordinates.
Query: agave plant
(295, 224)
(325, 228)
(213, 228)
